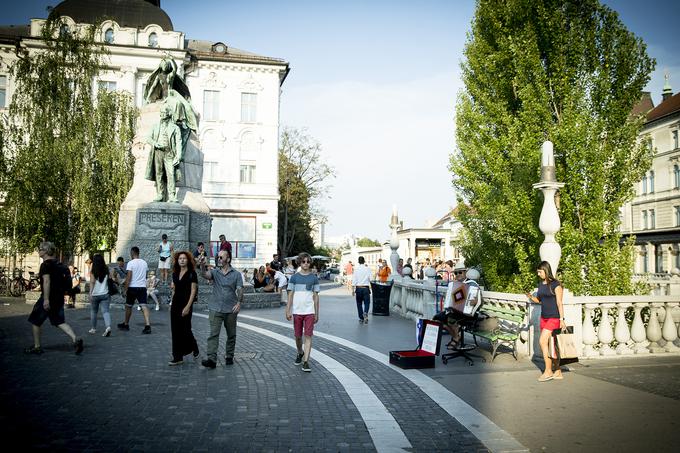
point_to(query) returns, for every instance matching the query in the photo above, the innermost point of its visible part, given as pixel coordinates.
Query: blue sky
(376, 82)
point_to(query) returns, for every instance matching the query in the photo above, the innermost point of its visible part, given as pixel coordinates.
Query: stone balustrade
(603, 325)
(653, 328)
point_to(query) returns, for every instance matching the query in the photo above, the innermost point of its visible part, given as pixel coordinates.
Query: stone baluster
(637, 331)
(621, 332)
(605, 333)
(654, 329)
(669, 331)
(589, 335)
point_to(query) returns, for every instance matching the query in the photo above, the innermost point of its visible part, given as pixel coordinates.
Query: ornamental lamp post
(394, 243)
(549, 222)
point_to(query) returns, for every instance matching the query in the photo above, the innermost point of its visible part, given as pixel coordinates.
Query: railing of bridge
(604, 326)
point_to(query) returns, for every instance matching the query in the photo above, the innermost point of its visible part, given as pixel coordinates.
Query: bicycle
(4, 282)
(19, 285)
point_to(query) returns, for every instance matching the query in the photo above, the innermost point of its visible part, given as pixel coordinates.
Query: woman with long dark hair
(549, 295)
(99, 294)
(185, 289)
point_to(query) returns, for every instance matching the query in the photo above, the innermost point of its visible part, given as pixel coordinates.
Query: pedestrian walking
(549, 295)
(223, 306)
(165, 250)
(361, 289)
(99, 294)
(135, 285)
(71, 293)
(184, 289)
(303, 308)
(55, 281)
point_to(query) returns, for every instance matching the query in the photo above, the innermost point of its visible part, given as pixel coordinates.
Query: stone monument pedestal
(142, 221)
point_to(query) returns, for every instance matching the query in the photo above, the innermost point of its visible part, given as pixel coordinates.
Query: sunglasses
(306, 262)
(458, 272)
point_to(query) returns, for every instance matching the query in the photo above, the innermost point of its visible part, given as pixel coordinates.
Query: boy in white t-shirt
(303, 308)
(135, 284)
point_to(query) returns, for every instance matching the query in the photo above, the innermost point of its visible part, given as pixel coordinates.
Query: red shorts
(306, 321)
(550, 323)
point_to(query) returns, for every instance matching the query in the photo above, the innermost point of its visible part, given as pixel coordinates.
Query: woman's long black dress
(183, 341)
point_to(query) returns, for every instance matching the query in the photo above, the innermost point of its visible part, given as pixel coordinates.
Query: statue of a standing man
(165, 156)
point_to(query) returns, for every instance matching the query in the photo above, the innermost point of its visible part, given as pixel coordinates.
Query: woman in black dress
(185, 288)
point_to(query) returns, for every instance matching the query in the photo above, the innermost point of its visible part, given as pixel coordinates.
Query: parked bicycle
(5, 282)
(20, 284)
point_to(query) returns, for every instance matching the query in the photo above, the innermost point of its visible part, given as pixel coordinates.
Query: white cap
(472, 274)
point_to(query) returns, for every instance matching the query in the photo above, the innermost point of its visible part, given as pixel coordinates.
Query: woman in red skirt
(549, 295)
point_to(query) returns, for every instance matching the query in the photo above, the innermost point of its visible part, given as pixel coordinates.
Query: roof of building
(644, 105)
(15, 30)
(126, 13)
(665, 108)
(208, 50)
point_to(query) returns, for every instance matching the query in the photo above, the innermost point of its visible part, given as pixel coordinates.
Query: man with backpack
(55, 281)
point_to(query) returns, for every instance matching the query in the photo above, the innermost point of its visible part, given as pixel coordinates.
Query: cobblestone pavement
(120, 394)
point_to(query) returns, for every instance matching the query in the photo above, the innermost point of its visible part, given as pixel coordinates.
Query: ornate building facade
(235, 93)
(653, 216)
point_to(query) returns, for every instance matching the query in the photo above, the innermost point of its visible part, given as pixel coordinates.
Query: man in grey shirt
(223, 306)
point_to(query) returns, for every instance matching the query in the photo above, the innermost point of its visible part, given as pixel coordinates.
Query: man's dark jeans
(363, 295)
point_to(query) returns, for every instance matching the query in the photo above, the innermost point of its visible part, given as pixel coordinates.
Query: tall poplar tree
(559, 70)
(65, 165)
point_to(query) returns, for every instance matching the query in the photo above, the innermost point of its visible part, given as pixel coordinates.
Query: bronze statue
(166, 153)
(164, 84)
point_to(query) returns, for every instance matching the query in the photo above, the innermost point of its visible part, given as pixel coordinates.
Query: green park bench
(510, 322)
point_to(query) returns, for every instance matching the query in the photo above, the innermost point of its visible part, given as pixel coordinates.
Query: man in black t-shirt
(55, 281)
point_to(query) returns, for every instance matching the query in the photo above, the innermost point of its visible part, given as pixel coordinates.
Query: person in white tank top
(99, 294)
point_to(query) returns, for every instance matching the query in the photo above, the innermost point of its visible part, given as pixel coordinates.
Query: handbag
(562, 344)
(113, 288)
(163, 258)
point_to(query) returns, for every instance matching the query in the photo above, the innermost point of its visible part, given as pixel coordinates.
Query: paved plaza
(120, 394)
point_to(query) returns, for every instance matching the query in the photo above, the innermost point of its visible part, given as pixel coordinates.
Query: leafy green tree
(559, 70)
(367, 242)
(65, 165)
(303, 179)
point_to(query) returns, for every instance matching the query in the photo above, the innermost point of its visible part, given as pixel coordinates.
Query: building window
(153, 39)
(675, 139)
(107, 86)
(644, 220)
(3, 91)
(249, 145)
(211, 105)
(248, 107)
(676, 215)
(644, 184)
(658, 255)
(651, 181)
(63, 30)
(108, 36)
(676, 176)
(652, 219)
(248, 174)
(645, 263)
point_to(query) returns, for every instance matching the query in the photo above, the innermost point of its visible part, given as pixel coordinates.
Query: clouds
(389, 143)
